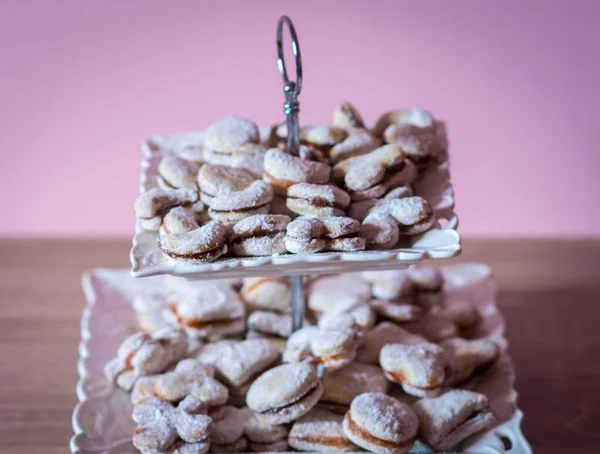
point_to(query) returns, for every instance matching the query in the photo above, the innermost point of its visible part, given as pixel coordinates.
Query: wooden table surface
(549, 294)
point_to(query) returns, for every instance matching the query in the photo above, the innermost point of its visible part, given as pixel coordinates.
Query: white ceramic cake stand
(102, 418)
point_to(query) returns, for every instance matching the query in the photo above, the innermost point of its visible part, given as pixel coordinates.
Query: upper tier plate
(442, 241)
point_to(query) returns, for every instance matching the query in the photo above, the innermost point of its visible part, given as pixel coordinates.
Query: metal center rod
(291, 89)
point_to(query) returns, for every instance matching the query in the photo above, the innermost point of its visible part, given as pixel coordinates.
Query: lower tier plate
(101, 420)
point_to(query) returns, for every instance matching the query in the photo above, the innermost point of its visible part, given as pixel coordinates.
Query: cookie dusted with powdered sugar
(143, 354)
(346, 116)
(372, 175)
(385, 223)
(379, 423)
(321, 200)
(267, 293)
(320, 431)
(383, 334)
(224, 137)
(328, 347)
(207, 311)
(237, 363)
(175, 173)
(257, 235)
(164, 428)
(283, 170)
(343, 385)
(450, 418)
(285, 393)
(204, 244)
(152, 205)
(466, 357)
(421, 369)
(331, 233)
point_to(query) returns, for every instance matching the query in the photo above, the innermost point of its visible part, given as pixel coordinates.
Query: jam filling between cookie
(360, 432)
(338, 442)
(208, 255)
(240, 210)
(200, 324)
(474, 414)
(319, 202)
(274, 410)
(400, 377)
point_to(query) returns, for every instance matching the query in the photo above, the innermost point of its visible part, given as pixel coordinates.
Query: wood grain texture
(549, 294)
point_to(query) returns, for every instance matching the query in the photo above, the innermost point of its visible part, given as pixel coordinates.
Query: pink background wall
(82, 83)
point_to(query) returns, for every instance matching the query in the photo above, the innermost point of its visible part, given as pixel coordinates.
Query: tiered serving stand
(434, 186)
(442, 241)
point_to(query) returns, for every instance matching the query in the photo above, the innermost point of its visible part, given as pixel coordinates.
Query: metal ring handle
(297, 84)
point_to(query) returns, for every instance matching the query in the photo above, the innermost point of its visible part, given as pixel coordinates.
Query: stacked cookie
(235, 190)
(381, 362)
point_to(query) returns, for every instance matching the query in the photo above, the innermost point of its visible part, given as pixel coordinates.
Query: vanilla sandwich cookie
(320, 431)
(411, 116)
(386, 222)
(421, 369)
(467, 357)
(331, 233)
(360, 209)
(381, 424)
(179, 220)
(317, 200)
(358, 143)
(160, 427)
(320, 138)
(331, 348)
(204, 244)
(258, 235)
(207, 311)
(285, 393)
(237, 363)
(270, 324)
(232, 207)
(282, 170)
(192, 383)
(452, 417)
(381, 335)
(224, 137)
(373, 174)
(143, 354)
(175, 173)
(217, 179)
(152, 205)
(421, 145)
(343, 385)
(267, 293)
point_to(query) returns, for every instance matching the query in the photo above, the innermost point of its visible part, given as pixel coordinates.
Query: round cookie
(381, 424)
(284, 393)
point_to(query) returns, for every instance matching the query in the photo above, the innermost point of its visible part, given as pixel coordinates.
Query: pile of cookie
(239, 192)
(381, 363)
